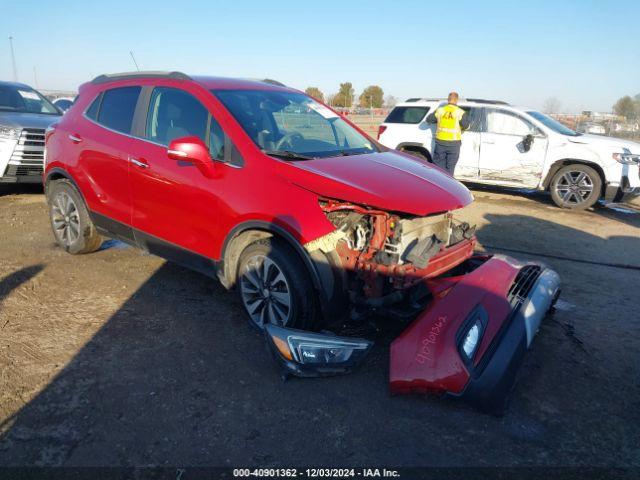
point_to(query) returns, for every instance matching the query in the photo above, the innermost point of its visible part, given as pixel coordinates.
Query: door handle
(75, 138)
(138, 163)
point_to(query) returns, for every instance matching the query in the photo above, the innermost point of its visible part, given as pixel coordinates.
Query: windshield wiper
(288, 154)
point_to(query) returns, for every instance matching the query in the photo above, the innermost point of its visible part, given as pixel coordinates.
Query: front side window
(293, 125)
(505, 123)
(174, 113)
(24, 100)
(553, 124)
(475, 118)
(407, 115)
(117, 108)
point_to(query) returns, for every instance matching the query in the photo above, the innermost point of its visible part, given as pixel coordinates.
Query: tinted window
(24, 100)
(505, 123)
(173, 114)
(475, 118)
(92, 111)
(117, 108)
(407, 115)
(216, 140)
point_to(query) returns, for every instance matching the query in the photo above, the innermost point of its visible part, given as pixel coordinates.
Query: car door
(102, 144)
(175, 207)
(512, 149)
(467, 166)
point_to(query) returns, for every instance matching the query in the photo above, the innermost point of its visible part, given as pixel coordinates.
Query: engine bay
(386, 254)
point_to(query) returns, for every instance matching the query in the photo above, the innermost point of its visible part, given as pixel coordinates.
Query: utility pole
(13, 60)
(134, 60)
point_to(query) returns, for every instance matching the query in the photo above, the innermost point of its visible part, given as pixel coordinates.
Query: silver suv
(24, 116)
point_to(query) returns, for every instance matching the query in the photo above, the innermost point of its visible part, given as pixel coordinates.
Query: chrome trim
(138, 163)
(74, 138)
(541, 298)
(177, 153)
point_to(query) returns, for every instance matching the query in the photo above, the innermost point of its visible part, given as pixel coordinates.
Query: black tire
(72, 227)
(264, 301)
(417, 154)
(576, 187)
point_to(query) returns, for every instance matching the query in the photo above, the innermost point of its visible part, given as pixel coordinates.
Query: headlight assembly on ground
(313, 354)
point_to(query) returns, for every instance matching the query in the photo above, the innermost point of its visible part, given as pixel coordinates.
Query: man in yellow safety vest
(451, 120)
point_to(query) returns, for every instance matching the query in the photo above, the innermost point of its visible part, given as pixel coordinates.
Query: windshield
(24, 100)
(554, 125)
(293, 125)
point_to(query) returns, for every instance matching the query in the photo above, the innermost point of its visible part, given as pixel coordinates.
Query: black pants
(446, 155)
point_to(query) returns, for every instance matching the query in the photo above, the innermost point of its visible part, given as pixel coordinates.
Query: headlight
(470, 334)
(307, 353)
(9, 133)
(626, 157)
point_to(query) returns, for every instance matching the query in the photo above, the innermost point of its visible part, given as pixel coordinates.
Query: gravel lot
(118, 358)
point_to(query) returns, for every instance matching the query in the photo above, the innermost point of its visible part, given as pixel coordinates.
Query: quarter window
(407, 115)
(507, 124)
(173, 114)
(117, 108)
(92, 111)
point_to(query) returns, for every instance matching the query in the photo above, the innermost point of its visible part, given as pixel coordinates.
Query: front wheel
(576, 187)
(72, 227)
(275, 287)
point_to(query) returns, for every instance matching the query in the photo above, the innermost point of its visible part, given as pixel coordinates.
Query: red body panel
(177, 203)
(425, 357)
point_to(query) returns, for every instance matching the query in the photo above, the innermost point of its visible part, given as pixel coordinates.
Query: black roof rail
(482, 100)
(423, 100)
(273, 82)
(111, 77)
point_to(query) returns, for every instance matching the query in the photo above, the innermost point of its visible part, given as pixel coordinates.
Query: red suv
(312, 222)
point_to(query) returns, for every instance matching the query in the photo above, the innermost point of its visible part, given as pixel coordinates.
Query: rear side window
(92, 111)
(407, 115)
(117, 108)
(173, 114)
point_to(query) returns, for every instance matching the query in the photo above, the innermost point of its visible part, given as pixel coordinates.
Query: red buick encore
(308, 218)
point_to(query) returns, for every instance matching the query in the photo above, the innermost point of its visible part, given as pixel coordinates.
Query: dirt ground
(118, 358)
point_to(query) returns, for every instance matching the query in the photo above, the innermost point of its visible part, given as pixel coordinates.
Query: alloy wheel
(65, 219)
(574, 187)
(265, 292)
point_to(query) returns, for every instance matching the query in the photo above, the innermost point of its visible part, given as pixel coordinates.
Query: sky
(585, 53)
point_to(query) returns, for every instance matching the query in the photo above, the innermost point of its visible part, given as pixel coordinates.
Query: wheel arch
(320, 267)
(415, 147)
(558, 164)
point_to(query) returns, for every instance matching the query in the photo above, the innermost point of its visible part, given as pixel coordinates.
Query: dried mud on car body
(120, 358)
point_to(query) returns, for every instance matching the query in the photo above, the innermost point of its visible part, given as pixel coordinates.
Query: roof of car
(209, 82)
(14, 84)
(463, 101)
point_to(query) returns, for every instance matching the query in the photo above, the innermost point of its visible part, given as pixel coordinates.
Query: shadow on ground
(177, 377)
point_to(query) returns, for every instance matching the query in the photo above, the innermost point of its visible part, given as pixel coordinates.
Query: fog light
(309, 354)
(471, 340)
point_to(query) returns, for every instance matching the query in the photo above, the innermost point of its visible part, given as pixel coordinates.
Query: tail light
(381, 130)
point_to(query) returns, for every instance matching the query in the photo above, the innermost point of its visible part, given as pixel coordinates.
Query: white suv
(516, 147)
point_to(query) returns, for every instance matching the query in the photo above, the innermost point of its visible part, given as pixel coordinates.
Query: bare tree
(390, 101)
(552, 105)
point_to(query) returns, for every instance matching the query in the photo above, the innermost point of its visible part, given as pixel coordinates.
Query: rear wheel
(576, 187)
(417, 153)
(274, 286)
(72, 227)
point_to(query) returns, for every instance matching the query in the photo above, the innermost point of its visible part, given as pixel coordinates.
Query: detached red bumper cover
(471, 339)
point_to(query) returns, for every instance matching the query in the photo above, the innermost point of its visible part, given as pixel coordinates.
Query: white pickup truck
(516, 147)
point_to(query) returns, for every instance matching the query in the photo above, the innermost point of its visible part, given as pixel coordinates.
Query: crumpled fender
(425, 357)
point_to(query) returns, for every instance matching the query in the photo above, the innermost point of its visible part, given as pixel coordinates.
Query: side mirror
(527, 141)
(192, 150)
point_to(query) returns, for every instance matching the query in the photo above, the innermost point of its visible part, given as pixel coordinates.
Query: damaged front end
(387, 255)
(469, 319)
